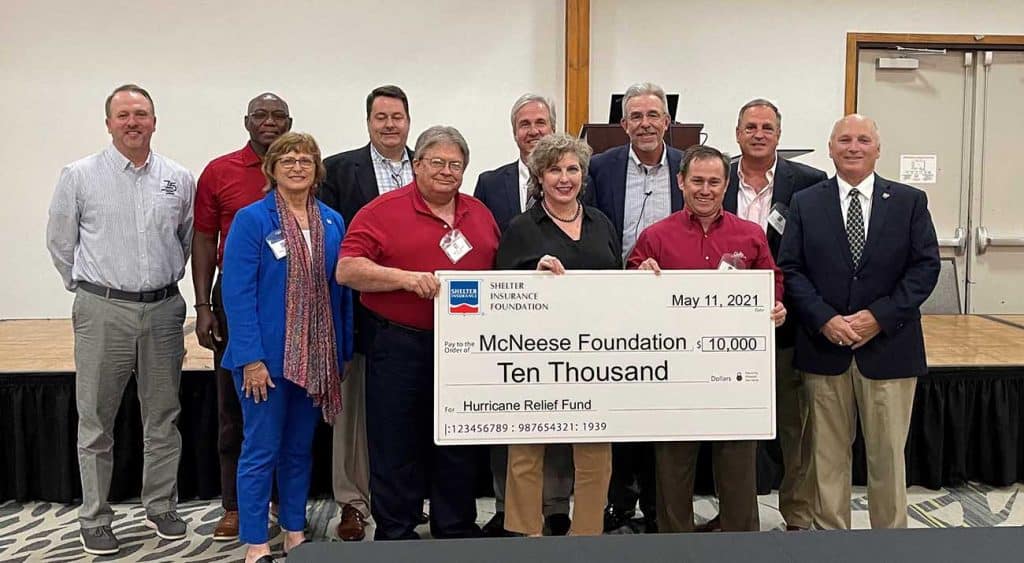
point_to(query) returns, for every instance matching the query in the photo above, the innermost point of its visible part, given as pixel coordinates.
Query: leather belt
(136, 296)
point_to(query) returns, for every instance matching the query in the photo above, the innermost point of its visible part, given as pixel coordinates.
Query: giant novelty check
(604, 356)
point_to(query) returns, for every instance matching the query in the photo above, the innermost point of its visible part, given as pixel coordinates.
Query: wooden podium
(603, 136)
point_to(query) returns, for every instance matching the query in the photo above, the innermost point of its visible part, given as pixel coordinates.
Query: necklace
(576, 215)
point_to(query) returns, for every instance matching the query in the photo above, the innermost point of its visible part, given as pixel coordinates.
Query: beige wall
(717, 54)
(462, 62)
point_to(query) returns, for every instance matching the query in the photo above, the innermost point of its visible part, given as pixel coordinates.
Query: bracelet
(198, 305)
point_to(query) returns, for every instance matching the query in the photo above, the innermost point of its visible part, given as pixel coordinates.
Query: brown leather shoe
(352, 525)
(227, 527)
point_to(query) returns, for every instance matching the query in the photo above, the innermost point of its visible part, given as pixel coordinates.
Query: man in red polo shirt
(701, 237)
(229, 183)
(390, 253)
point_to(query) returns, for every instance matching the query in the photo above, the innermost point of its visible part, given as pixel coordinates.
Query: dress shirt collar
(866, 187)
(692, 220)
(770, 174)
(249, 157)
(381, 159)
(636, 159)
(122, 162)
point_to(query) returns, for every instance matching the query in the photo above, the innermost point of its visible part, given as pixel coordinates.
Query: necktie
(855, 227)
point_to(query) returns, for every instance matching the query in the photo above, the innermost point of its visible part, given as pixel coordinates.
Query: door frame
(855, 41)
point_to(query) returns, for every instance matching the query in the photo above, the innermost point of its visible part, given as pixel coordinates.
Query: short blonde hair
(549, 150)
(298, 142)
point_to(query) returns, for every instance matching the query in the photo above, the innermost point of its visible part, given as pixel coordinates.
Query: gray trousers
(558, 477)
(111, 338)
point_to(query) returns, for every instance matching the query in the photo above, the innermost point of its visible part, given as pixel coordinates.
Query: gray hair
(439, 134)
(529, 98)
(851, 117)
(760, 103)
(644, 89)
(548, 152)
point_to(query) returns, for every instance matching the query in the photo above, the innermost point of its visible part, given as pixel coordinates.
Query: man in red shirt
(699, 237)
(390, 253)
(229, 183)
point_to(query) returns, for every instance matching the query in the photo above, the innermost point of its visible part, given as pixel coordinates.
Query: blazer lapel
(729, 203)
(367, 177)
(619, 194)
(675, 193)
(782, 190)
(834, 214)
(876, 221)
(512, 188)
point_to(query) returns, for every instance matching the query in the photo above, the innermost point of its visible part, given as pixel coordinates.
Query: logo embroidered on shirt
(169, 187)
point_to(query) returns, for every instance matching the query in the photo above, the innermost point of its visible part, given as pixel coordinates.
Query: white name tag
(277, 244)
(526, 357)
(455, 245)
(777, 218)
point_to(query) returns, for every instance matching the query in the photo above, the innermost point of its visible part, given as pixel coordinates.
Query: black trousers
(405, 465)
(229, 411)
(633, 478)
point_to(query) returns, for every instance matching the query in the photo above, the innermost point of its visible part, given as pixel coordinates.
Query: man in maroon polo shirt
(229, 183)
(702, 236)
(390, 253)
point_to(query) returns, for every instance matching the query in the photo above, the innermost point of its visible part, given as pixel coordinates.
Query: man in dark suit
(353, 179)
(503, 191)
(635, 186)
(859, 256)
(760, 187)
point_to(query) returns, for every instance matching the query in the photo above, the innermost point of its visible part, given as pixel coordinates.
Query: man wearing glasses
(227, 184)
(354, 178)
(635, 187)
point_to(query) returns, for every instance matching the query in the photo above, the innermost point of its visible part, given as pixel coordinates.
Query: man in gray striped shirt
(119, 232)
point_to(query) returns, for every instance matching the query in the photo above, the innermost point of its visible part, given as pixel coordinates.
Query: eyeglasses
(261, 116)
(303, 163)
(637, 117)
(438, 164)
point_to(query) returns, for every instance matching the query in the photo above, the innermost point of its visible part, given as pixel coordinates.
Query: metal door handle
(958, 242)
(983, 240)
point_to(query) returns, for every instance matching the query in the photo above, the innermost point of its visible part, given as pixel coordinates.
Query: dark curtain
(966, 426)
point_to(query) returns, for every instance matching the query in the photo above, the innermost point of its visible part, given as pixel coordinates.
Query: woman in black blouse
(558, 233)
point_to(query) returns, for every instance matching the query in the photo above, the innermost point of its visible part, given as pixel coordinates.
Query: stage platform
(967, 423)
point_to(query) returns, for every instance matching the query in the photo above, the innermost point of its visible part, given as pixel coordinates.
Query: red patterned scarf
(310, 355)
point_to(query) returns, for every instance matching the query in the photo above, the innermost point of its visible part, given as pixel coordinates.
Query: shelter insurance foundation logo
(464, 297)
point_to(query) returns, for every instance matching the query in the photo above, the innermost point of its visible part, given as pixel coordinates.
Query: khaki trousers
(734, 465)
(884, 406)
(350, 467)
(524, 489)
(796, 492)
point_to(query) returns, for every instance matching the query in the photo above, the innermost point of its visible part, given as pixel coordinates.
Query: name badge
(455, 245)
(277, 244)
(777, 217)
(732, 261)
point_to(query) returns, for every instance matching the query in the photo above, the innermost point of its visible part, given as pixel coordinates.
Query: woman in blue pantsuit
(291, 334)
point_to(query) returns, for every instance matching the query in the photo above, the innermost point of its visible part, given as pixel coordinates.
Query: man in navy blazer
(760, 188)
(635, 186)
(859, 255)
(503, 190)
(354, 178)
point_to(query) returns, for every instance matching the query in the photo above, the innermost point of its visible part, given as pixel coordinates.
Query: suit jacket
(898, 270)
(790, 177)
(498, 189)
(606, 183)
(351, 181)
(254, 289)
(350, 184)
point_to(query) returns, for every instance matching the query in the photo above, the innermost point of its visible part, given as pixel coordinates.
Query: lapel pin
(885, 195)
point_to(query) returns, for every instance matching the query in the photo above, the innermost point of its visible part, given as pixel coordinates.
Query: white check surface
(604, 356)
